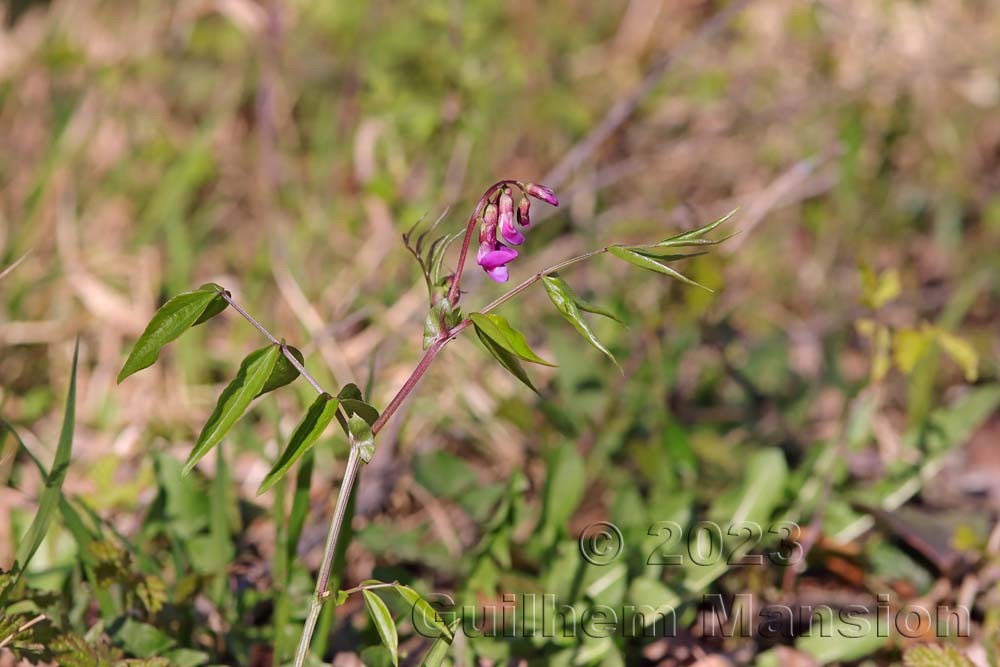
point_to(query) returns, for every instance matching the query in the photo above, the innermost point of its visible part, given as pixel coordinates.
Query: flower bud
(523, 211)
(541, 192)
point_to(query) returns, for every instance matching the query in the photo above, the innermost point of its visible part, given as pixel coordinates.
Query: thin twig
(332, 537)
(26, 626)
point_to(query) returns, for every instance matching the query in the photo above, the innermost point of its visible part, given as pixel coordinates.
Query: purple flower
(492, 255)
(510, 233)
(542, 192)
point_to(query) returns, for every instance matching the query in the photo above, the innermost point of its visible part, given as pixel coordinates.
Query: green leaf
(843, 639)
(506, 359)
(644, 262)
(351, 399)
(360, 433)
(499, 330)
(283, 373)
(961, 352)
(565, 301)
(52, 493)
(652, 599)
(174, 318)
(143, 640)
(437, 653)
(420, 606)
(235, 399)
(564, 487)
(596, 309)
(383, 623)
(315, 421)
(693, 236)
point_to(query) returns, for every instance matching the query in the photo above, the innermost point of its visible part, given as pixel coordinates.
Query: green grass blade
(49, 501)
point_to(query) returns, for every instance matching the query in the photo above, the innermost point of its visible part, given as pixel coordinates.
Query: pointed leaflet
(692, 237)
(235, 399)
(174, 318)
(315, 421)
(284, 372)
(438, 651)
(383, 623)
(422, 608)
(499, 330)
(642, 261)
(566, 303)
(506, 359)
(52, 493)
(596, 309)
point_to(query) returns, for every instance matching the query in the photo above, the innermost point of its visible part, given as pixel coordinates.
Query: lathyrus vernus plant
(501, 226)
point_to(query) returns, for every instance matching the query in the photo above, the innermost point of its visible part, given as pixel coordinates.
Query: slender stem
(284, 348)
(329, 551)
(25, 627)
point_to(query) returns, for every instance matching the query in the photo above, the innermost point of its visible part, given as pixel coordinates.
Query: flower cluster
(493, 255)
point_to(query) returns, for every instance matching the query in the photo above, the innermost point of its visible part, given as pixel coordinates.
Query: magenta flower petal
(497, 258)
(543, 193)
(510, 233)
(499, 274)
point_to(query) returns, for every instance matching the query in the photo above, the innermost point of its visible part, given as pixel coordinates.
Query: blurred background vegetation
(843, 376)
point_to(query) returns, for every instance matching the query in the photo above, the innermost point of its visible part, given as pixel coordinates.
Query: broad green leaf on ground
(564, 487)
(48, 503)
(315, 421)
(566, 302)
(498, 329)
(235, 399)
(283, 373)
(361, 437)
(174, 318)
(383, 623)
(842, 639)
(506, 359)
(653, 601)
(645, 262)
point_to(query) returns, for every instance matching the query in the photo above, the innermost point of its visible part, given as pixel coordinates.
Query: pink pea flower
(493, 255)
(541, 192)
